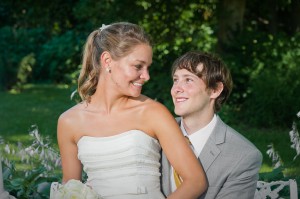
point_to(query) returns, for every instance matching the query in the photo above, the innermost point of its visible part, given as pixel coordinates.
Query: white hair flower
(103, 27)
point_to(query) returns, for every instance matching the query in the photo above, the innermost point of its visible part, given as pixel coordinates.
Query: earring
(107, 69)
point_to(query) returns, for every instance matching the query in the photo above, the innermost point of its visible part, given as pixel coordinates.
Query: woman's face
(132, 71)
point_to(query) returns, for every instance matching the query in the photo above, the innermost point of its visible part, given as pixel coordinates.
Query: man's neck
(194, 123)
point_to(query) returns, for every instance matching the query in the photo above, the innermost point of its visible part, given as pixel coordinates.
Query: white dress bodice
(123, 166)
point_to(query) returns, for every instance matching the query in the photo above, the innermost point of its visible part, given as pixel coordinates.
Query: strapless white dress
(123, 166)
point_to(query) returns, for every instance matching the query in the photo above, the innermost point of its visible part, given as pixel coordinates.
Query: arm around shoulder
(179, 154)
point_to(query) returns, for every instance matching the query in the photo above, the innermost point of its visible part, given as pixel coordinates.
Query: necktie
(177, 178)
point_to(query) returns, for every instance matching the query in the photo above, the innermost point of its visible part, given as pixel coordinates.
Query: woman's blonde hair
(118, 39)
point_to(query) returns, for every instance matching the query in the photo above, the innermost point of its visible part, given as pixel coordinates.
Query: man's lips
(180, 99)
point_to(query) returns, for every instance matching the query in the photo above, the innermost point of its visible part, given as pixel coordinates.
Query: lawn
(41, 105)
(38, 105)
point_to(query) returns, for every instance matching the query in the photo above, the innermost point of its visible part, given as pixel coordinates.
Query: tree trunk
(230, 20)
(295, 16)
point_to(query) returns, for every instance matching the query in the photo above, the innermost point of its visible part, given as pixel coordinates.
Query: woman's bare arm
(71, 166)
(178, 153)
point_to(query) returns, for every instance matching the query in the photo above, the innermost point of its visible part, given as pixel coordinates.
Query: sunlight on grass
(36, 104)
(265, 168)
(18, 138)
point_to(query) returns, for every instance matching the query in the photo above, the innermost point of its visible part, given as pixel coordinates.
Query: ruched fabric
(123, 166)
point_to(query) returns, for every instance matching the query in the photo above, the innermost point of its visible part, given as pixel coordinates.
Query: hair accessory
(103, 27)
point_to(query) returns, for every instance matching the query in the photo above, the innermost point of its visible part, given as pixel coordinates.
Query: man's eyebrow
(187, 75)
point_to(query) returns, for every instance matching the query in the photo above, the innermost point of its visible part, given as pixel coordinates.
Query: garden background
(41, 48)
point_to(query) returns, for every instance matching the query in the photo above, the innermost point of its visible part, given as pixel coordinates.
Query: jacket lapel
(211, 150)
(207, 156)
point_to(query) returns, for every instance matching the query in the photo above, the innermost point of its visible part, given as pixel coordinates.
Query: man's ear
(214, 93)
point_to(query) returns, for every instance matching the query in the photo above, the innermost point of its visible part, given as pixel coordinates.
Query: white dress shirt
(198, 140)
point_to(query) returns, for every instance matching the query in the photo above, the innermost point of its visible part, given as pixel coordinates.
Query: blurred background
(41, 49)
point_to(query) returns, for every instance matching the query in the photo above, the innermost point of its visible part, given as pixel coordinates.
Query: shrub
(59, 58)
(265, 70)
(19, 47)
(278, 172)
(42, 163)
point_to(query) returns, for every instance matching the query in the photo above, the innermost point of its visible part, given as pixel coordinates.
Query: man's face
(189, 93)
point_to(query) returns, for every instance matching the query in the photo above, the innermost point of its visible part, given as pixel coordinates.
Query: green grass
(42, 105)
(280, 139)
(36, 104)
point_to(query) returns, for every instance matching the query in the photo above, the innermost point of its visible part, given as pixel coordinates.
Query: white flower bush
(274, 156)
(42, 162)
(295, 140)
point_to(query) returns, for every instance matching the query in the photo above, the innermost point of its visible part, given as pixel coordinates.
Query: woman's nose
(145, 75)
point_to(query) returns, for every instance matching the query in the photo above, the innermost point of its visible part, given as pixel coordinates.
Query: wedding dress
(123, 166)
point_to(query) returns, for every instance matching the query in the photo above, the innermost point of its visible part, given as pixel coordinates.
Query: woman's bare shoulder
(71, 120)
(154, 108)
(71, 114)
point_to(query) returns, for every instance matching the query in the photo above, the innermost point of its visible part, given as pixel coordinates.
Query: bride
(116, 134)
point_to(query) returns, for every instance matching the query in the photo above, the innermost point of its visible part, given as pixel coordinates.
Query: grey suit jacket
(231, 164)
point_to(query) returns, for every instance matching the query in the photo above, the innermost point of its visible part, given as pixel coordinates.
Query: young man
(201, 84)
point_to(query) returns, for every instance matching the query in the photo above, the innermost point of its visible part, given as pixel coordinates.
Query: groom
(201, 84)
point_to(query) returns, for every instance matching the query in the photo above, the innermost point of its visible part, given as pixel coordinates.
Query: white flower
(73, 189)
(295, 139)
(274, 155)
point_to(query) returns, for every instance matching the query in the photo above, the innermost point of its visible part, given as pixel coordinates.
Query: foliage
(58, 58)
(19, 48)
(42, 42)
(265, 70)
(186, 25)
(279, 167)
(41, 160)
(43, 166)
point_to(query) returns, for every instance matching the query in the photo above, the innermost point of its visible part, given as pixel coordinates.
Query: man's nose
(177, 87)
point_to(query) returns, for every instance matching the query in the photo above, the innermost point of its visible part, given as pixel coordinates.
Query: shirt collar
(200, 137)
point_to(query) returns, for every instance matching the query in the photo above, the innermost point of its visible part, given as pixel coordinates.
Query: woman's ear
(214, 93)
(105, 59)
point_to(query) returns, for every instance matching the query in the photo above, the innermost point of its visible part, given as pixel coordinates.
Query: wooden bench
(270, 190)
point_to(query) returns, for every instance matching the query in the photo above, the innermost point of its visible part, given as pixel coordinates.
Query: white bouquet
(73, 189)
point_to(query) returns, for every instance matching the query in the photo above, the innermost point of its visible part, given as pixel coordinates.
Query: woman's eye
(188, 80)
(175, 80)
(138, 66)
